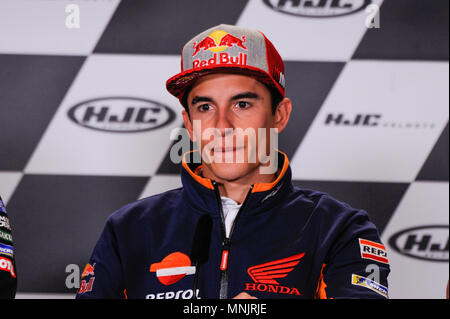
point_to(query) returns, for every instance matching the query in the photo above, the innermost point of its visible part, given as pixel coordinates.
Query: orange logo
(217, 41)
(173, 268)
(265, 275)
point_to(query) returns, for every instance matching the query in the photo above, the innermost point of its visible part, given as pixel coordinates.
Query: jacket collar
(201, 194)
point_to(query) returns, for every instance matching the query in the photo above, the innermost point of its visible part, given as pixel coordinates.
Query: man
(8, 277)
(269, 238)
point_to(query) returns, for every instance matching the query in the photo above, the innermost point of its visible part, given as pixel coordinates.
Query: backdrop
(85, 119)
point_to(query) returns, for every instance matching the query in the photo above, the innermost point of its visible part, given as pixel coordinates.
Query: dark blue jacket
(285, 242)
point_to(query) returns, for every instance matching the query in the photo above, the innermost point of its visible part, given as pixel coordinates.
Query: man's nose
(224, 122)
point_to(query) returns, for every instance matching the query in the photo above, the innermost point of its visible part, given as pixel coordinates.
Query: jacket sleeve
(8, 273)
(103, 277)
(357, 265)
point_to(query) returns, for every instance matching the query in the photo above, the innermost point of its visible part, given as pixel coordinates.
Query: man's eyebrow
(246, 95)
(197, 99)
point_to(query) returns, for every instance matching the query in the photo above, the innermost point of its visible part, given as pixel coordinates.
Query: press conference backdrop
(85, 119)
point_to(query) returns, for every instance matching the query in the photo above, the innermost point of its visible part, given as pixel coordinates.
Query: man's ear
(282, 114)
(188, 124)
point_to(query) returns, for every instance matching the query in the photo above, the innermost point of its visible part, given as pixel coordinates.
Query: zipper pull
(225, 253)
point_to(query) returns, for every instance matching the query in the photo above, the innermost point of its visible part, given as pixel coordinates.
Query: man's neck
(237, 189)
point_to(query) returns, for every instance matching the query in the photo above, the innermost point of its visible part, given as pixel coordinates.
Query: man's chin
(230, 171)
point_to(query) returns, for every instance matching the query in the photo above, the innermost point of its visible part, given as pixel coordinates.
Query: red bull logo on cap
(216, 42)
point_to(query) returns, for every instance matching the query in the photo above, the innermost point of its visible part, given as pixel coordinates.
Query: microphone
(200, 246)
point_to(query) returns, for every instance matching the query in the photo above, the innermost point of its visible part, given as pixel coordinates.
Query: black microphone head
(202, 240)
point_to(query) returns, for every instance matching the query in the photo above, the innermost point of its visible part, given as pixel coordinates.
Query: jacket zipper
(226, 242)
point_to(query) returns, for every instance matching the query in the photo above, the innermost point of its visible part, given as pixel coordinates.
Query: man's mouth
(227, 149)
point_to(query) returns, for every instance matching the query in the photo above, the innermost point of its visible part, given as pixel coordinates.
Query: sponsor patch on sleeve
(87, 285)
(2, 206)
(4, 222)
(372, 250)
(7, 265)
(358, 280)
(88, 270)
(5, 236)
(6, 250)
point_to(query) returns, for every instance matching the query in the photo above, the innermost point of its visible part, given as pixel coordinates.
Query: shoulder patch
(372, 250)
(358, 280)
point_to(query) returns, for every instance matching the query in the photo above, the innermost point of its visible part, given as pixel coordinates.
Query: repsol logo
(180, 294)
(318, 8)
(121, 114)
(423, 242)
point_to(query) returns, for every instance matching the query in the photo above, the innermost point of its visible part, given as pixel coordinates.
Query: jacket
(285, 242)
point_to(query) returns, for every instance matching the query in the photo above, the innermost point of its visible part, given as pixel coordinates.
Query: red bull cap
(227, 48)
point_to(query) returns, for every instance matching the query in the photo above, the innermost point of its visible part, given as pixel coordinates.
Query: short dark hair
(275, 99)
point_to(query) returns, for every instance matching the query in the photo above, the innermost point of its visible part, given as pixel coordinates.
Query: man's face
(226, 111)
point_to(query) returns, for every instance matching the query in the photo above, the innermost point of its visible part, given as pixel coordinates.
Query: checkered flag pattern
(85, 119)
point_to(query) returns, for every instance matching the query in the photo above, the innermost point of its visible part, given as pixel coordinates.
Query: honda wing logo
(266, 275)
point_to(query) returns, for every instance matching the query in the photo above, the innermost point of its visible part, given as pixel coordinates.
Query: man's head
(232, 89)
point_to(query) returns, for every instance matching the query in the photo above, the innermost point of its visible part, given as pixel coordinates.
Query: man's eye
(243, 104)
(204, 107)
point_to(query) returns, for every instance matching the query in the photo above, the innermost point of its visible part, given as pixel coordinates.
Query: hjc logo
(121, 114)
(318, 8)
(424, 242)
(357, 120)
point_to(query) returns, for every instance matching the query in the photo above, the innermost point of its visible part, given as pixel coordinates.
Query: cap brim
(180, 83)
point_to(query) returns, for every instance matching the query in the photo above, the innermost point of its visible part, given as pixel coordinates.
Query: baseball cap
(228, 49)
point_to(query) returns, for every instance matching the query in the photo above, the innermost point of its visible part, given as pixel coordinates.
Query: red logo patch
(218, 41)
(7, 265)
(265, 275)
(86, 286)
(88, 271)
(373, 251)
(173, 268)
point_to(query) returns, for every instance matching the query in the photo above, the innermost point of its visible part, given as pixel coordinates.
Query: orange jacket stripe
(203, 181)
(262, 187)
(258, 187)
(321, 285)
